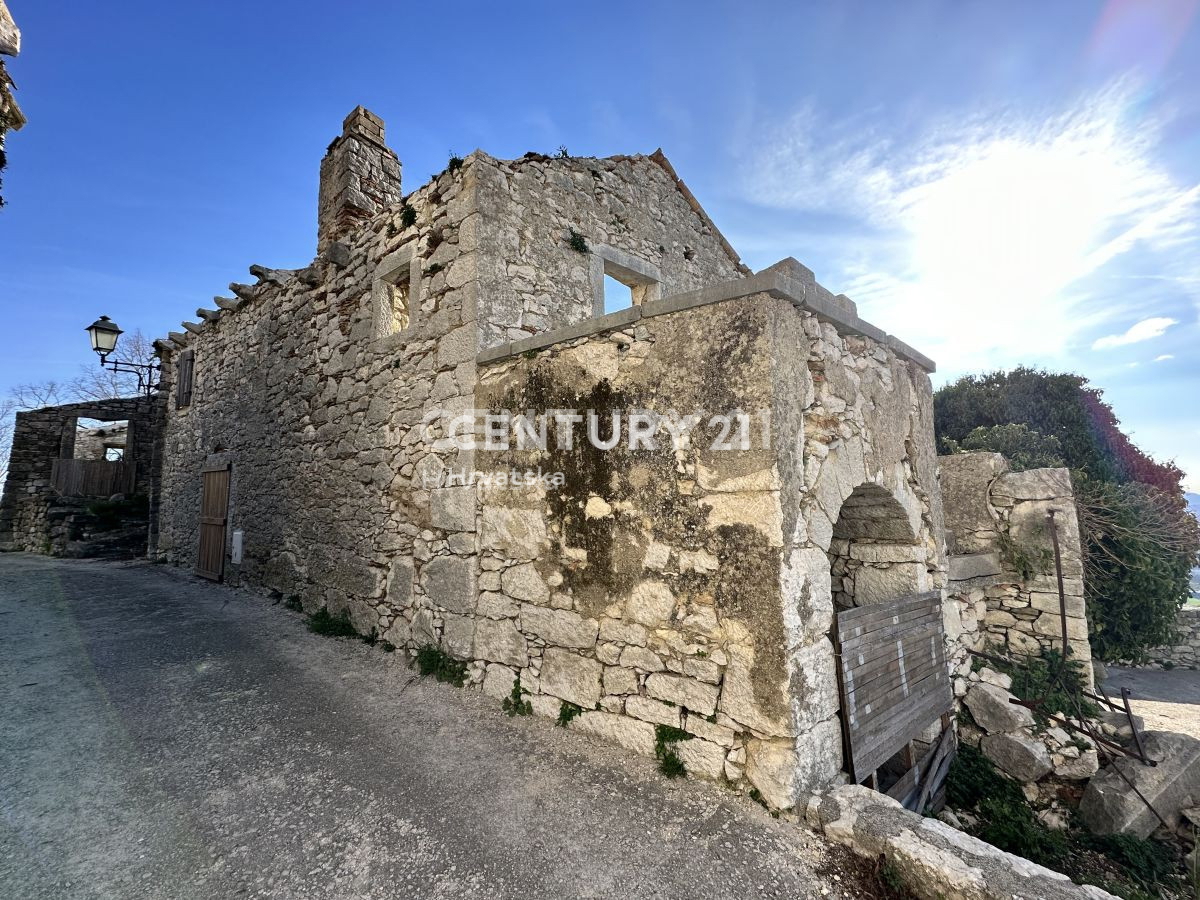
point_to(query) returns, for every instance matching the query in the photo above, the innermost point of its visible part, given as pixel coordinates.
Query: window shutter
(183, 386)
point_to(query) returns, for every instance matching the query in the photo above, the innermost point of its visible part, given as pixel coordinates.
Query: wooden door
(214, 515)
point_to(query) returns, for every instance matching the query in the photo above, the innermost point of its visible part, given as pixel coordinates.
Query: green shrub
(109, 514)
(408, 216)
(1039, 678)
(434, 661)
(1140, 542)
(1148, 862)
(665, 738)
(567, 712)
(972, 778)
(1023, 447)
(577, 241)
(515, 703)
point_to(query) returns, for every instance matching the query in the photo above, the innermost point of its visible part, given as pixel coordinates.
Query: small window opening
(617, 295)
(96, 439)
(398, 313)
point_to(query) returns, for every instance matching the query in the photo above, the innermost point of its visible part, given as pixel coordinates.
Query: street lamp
(104, 334)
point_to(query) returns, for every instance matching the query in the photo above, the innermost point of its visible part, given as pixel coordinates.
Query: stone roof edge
(661, 160)
(768, 282)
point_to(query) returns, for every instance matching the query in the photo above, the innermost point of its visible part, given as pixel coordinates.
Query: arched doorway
(875, 555)
(888, 637)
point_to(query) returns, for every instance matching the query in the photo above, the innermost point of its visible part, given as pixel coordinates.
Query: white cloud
(1145, 330)
(1164, 357)
(990, 226)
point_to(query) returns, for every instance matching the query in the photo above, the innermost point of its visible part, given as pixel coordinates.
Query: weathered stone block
(702, 758)
(571, 677)
(628, 733)
(974, 565)
(641, 659)
(651, 603)
(559, 627)
(618, 680)
(524, 583)
(771, 767)
(622, 632)
(685, 692)
(498, 681)
(650, 710)
(400, 583)
(1110, 807)
(500, 641)
(739, 700)
(990, 708)
(450, 583)
(458, 633)
(452, 508)
(1022, 757)
(877, 585)
(518, 533)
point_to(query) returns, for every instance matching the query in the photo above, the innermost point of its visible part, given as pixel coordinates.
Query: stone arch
(876, 555)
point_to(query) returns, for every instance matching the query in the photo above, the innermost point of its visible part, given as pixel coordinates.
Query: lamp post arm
(145, 372)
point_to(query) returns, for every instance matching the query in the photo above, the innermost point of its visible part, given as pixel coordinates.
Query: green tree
(1023, 447)
(1140, 541)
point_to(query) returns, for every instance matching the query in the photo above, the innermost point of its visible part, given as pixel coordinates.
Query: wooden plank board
(866, 616)
(893, 677)
(92, 477)
(903, 624)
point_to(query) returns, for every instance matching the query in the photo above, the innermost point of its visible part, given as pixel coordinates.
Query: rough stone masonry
(686, 585)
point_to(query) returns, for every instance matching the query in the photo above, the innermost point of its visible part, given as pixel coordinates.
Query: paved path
(163, 737)
(1168, 699)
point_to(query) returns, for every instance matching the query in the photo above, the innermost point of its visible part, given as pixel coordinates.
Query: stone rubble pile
(1039, 757)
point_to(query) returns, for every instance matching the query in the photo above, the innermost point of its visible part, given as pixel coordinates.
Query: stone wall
(630, 214)
(1002, 574)
(94, 443)
(41, 436)
(1185, 652)
(693, 589)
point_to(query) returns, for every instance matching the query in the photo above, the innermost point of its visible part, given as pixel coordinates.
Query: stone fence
(1185, 652)
(1001, 558)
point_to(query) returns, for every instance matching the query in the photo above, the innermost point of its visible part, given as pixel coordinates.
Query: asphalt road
(1167, 699)
(165, 737)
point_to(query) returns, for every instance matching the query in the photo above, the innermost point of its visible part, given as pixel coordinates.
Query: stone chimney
(359, 177)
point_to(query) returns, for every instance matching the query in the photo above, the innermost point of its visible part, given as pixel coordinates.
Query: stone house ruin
(58, 469)
(313, 445)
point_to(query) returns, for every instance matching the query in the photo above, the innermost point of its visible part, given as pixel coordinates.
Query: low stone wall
(1185, 652)
(1002, 574)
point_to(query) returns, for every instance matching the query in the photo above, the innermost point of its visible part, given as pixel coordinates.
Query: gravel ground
(165, 737)
(1168, 699)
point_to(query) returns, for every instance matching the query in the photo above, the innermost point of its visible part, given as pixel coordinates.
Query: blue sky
(996, 183)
